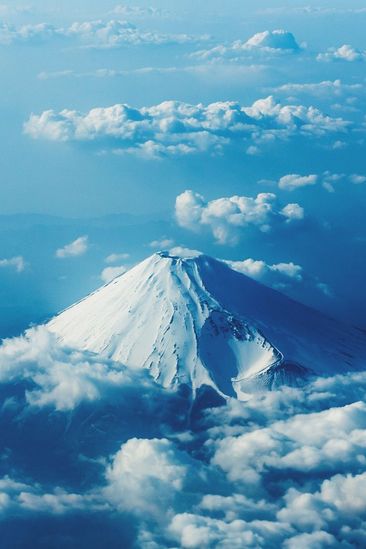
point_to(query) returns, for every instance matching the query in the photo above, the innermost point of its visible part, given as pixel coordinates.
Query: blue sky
(305, 146)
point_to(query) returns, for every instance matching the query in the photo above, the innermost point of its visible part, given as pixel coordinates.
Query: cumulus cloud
(343, 53)
(109, 273)
(141, 469)
(76, 248)
(176, 128)
(60, 377)
(286, 468)
(18, 263)
(267, 42)
(227, 217)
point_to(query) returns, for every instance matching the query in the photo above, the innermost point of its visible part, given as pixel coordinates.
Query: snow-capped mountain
(193, 320)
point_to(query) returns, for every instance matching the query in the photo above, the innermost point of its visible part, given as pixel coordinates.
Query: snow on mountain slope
(193, 320)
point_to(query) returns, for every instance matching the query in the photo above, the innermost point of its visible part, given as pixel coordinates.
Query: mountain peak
(190, 319)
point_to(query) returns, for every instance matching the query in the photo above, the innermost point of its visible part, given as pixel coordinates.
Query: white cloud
(163, 244)
(343, 53)
(327, 179)
(273, 40)
(114, 33)
(328, 440)
(272, 274)
(76, 248)
(284, 469)
(110, 273)
(294, 181)
(323, 88)
(139, 11)
(227, 217)
(8, 9)
(114, 258)
(357, 179)
(314, 540)
(60, 377)
(181, 251)
(18, 263)
(293, 212)
(280, 276)
(176, 128)
(311, 10)
(267, 42)
(146, 475)
(246, 72)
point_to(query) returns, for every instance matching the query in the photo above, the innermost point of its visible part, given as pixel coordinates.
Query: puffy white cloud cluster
(18, 263)
(343, 53)
(144, 468)
(77, 247)
(227, 217)
(114, 33)
(275, 275)
(268, 42)
(286, 468)
(177, 128)
(58, 377)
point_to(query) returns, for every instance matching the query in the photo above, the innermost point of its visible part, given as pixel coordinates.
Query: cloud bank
(114, 33)
(283, 469)
(177, 128)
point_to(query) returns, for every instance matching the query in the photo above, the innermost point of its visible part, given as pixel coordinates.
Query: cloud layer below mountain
(286, 468)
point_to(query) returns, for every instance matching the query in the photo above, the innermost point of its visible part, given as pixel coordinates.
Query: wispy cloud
(17, 263)
(114, 33)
